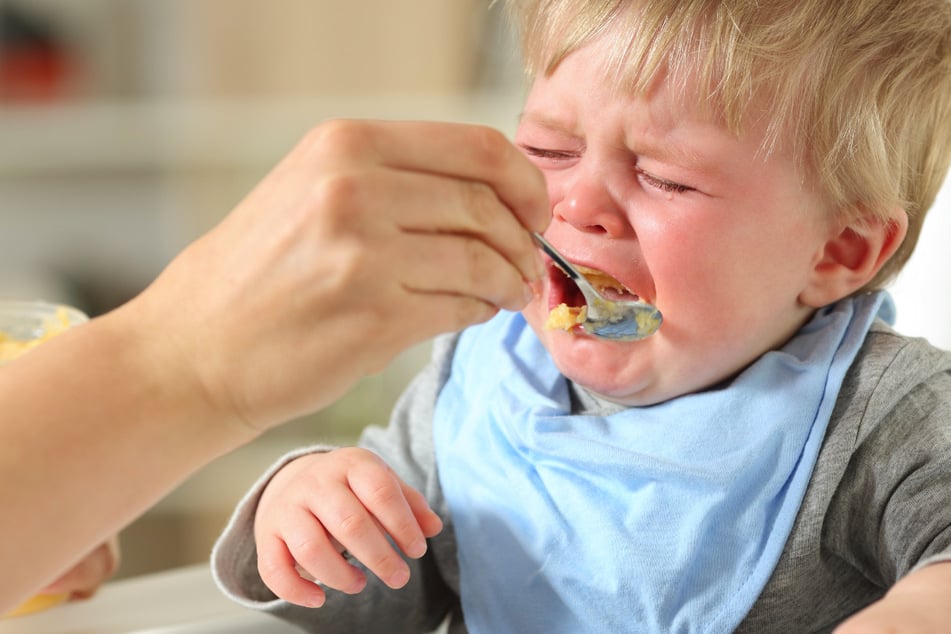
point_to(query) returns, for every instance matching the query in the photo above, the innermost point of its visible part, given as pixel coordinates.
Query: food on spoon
(565, 317)
(601, 280)
(648, 322)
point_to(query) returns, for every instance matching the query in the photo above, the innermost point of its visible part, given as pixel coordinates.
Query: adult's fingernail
(399, 578)
(358, 585)
(417, 549)
(316, 601)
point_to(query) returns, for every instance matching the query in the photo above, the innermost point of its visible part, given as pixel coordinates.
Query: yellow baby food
(565, 317)
(37, 603)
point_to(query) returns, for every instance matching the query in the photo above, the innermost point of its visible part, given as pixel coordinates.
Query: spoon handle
(566, 266)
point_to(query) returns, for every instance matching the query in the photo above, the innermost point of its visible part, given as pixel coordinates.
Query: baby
(774, 458)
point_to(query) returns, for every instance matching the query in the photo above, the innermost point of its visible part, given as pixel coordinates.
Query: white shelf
(120, 136)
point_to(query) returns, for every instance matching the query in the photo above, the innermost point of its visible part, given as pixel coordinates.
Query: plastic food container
(25, 325)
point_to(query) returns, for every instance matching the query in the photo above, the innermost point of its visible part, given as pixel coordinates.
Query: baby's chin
(601, 367)
(608, 388)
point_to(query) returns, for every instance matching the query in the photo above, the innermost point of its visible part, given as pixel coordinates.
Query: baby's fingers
(429, 523)
(290, 563)
(380, 510)
(278, 571)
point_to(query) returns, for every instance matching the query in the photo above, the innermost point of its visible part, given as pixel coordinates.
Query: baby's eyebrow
(678, 154)
(693, 149)
(550, 122)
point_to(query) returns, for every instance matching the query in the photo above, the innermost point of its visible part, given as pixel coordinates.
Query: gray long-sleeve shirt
(877, 507)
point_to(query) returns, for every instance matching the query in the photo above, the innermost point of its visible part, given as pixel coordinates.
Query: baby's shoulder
(890, 360)
(893, 378)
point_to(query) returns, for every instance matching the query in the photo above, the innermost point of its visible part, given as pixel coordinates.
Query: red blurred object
(34, 63)
(32, 75)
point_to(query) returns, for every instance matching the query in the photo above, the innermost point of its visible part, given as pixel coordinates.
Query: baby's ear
(853, 256)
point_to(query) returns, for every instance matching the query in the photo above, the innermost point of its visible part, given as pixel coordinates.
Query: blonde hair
(860, 88)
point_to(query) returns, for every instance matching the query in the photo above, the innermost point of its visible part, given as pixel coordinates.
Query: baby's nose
(588, 205)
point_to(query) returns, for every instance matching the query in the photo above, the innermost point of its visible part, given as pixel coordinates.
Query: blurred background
(129, 127)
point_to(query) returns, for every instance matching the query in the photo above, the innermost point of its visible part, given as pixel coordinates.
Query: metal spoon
(605, 318)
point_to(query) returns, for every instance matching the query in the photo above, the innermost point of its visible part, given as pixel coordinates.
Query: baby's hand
(323, 504)
(84, 579)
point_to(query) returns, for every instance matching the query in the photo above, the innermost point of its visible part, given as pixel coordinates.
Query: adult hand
(369, 237)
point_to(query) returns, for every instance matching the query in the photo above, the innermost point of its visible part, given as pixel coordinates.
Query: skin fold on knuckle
(482, 209)
(308, 550)
(352, 527)
(493, 278)
(495, 227)
(376, 487)
(476, 267)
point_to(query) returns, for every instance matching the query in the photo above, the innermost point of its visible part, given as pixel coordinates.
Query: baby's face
(684, 213)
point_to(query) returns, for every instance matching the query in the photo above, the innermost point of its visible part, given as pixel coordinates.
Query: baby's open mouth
(568, 307)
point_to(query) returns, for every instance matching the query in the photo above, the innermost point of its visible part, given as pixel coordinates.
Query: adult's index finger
(465, 151)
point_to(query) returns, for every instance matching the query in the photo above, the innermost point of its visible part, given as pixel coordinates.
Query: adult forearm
(96, 426)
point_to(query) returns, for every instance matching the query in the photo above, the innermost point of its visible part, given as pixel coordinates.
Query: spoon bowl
(616, 320)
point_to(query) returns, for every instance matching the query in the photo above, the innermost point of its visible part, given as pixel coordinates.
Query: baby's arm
(919, 603)
(323, 504)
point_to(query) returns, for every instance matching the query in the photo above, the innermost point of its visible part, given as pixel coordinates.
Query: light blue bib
(660, 519)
